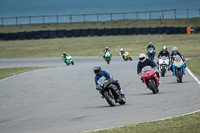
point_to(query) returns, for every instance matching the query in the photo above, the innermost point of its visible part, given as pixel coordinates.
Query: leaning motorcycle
(126, 56)
(178, 67)
(150, 79)
(151, 53)
(110, 92)
(68, 60)
(108, 57)
(163, 64)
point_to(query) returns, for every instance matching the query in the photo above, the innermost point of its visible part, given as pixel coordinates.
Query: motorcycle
(126, 56)
(110, 92)
(150, 79)
(163, 65)
(108, 57)
(178, 67)
(151, 53)
(68, 60)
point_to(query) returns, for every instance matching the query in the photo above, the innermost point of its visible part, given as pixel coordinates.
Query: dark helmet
(97, 70)
(65, 53)
(164, 49)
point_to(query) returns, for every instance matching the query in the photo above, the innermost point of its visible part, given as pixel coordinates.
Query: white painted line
(195, 78)
(142, 122)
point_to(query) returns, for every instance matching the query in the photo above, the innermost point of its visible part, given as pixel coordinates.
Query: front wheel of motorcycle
(123, 100)
(180, 75)
(109, 98)
(130, 58)
(72, 62)
(152, 86)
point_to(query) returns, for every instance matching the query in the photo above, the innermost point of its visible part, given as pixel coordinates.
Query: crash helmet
(174, 50)
(164, 49)
(150, 43)
(142, 57)
(97, 70)
(106, 48)
(64, 53)
(121, 49)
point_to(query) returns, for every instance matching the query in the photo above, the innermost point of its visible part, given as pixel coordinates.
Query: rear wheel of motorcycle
(152, 86)
(123, 100)
(109, 98)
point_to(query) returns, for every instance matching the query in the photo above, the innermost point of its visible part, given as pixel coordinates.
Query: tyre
(72, 62)
(152, 86)
(180, 75)
(109, 98)
(123, 100)
(130, 58)
(163, 71)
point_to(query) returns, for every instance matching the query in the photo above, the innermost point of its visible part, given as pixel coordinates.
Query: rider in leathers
(143, 61)
(106, 50)
(164, 52)
(100, 73)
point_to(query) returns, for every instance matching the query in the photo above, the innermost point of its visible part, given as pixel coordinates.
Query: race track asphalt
(63, 99)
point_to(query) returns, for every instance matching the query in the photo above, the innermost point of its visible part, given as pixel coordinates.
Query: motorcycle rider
(64, 55)
(151, 45)
(106, 50)
(164, 52)
(143, 61)
(100, 73)
(173, 54)
(122, 52)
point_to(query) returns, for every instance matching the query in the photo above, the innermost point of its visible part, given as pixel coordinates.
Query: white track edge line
(195, 78)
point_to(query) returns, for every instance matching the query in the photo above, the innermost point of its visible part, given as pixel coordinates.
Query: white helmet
(106, 48)
(164, 49)
(150, 43)
(121, 49)
(142, 57)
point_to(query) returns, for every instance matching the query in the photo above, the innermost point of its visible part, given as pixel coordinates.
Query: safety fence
(47, 34)
(44, 19)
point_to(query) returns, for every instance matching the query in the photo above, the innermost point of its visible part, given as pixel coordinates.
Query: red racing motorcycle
(150, 79)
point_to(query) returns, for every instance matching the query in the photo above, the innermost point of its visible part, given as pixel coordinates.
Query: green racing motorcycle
(68, 60)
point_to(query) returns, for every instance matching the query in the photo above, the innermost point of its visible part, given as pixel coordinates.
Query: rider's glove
(111, 80)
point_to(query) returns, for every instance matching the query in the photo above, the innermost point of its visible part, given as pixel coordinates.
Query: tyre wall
(93, 32)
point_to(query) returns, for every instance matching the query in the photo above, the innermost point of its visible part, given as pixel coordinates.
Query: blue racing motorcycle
(178, 68)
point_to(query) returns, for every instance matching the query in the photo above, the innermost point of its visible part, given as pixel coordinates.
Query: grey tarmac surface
(63, 99)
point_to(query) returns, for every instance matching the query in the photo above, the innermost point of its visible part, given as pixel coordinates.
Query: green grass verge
(93, 46)
(194, 65)
(183, 124)
(7, 72)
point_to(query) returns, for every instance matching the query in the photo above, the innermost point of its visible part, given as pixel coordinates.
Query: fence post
(163, 14)
(70, 17)
(111, 17)
(124, 16)
(175, 13)
(187, 14)
(97, 17)
(84, 18)
(43, 19)
(2, 21)
(57, 18)
(29, 19)
(137, 15)
(150, 15)
(199, 12)
(16, 21)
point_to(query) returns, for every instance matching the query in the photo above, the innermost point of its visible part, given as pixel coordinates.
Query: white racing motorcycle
(163, 65)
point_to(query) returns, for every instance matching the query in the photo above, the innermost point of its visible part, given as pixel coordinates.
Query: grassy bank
(183, 124)
(192, 22)
(6, 72)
